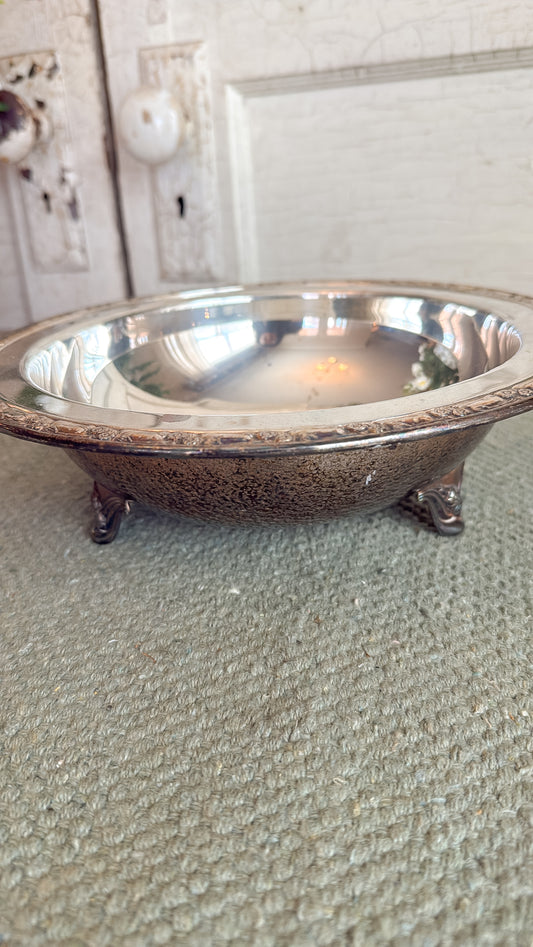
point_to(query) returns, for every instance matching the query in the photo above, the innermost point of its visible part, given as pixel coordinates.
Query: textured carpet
(280, 736)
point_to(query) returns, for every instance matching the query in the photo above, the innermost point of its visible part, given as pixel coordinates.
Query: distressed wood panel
(165, 44)
(184, 189)
(82, 241)
(427, 176)
(270, 65)
(48, 185)
(276, 37)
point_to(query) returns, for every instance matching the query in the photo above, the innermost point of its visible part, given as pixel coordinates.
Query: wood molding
(239, 93)
(404, 70)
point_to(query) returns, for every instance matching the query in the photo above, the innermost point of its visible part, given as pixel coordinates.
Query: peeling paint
(52, 69)
(186, 226)
(73, 208)
(49, 189)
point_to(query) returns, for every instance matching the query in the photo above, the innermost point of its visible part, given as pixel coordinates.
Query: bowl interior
(252, 354)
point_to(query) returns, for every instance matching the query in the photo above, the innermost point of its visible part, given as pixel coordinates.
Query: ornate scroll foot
(108, 512)
(444, 501)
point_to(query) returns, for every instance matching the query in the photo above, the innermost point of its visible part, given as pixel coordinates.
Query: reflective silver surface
(226, 366)
(308, 363)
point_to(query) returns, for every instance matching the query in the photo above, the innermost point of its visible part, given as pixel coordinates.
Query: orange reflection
(331, 364)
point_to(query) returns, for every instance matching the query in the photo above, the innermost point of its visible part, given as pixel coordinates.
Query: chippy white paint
(47, 185)
(351, 139)
(333, 138)
(409, 175)
(59, 243)
(184, 188)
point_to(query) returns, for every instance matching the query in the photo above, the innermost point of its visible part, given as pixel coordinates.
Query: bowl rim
(501, 392)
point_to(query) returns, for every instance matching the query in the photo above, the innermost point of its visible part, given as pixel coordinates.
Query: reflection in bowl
(273, 403)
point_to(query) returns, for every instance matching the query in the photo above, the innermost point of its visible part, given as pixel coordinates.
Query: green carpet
(296, 736)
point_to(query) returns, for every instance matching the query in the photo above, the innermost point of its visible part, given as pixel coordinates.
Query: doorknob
(20, 128)
(151, 125)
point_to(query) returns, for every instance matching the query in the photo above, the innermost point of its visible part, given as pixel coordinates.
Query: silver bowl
(273, 403)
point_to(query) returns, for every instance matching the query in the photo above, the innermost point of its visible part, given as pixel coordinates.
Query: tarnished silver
(445, 502)
(276, 371)
(108, 511)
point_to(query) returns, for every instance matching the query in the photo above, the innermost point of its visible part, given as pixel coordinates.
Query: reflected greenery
(141, 375)
(436, 368)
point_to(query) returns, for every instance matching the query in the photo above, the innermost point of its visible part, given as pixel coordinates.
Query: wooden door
(323, 139)
(60, 245)
(330, 139)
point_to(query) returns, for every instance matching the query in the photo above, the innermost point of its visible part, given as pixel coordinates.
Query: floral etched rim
(484, 408)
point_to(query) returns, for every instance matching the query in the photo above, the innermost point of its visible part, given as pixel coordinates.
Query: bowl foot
(108, 510)
(442, 498)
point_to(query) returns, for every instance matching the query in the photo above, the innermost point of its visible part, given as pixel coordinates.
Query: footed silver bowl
(273, 403)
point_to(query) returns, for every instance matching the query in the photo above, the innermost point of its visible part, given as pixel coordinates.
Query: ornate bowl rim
(499, 393)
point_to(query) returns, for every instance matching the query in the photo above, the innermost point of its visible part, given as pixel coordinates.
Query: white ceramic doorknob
(151, 125)
(18, 128)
